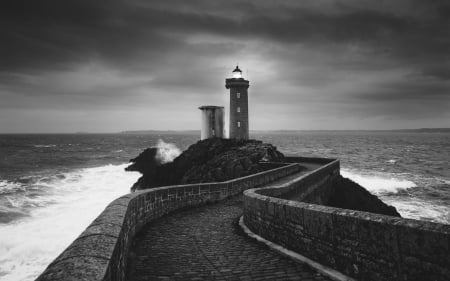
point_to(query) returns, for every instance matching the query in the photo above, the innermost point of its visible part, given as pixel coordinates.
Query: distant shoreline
(420, 130)
(192, 132)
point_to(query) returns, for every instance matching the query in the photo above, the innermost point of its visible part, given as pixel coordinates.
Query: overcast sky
(108, 66)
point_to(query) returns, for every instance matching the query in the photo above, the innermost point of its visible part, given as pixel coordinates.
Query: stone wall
(362, 245)
(299, 159)
(238, 86)
(315, 187)
(100, 252)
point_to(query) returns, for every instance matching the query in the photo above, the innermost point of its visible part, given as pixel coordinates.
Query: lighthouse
(238, 86)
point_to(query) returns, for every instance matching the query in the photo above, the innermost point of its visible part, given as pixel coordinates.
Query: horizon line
(198, 130)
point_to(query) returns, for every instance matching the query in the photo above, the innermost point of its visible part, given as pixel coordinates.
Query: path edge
(324, 270)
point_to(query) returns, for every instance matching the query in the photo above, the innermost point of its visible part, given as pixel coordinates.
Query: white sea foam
(44, 145)
(29, 244)
(167, 151)
(414, 208)
(378, 183)
(385, 185)
(10, 187)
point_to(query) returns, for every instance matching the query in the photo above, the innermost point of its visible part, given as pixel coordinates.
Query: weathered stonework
(239, 124)
(100, 252)
(363, 245)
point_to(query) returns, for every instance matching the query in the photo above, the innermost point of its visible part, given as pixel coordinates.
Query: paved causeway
(206, 243)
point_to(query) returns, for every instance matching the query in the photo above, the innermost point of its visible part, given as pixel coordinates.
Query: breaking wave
(420, 209)
(378, 183)
(44, 145)
(44, 216)
(167, 152)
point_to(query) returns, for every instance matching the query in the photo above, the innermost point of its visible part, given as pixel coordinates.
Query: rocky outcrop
(350, 195)
(210, 160)
(217, 160)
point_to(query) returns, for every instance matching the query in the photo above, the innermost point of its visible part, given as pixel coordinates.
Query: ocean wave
(414, 208)
(7, 187)
(44, 145)
(42, 222)
(167, 152)
(8, 215)
(380, 183)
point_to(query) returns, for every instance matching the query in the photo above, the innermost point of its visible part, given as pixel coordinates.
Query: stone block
(82, 268)
(124, 201)
(378, 237)
(280, 213)
(104, 228)
(113, 214)
(318, 223)
(345, 226)
(204, 188)
(419, 270)
(172, 192)
(196, 190)
(345, 262)
(294, 214)
(164, 194)
(96, 245)
(424, 240)
(269, 207)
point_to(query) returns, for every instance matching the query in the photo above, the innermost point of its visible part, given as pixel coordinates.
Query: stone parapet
(100, 252)
(362, 245)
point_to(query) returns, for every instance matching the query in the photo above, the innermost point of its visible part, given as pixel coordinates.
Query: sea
(53, 186)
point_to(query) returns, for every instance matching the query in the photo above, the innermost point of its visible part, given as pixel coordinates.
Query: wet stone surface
(206, 243)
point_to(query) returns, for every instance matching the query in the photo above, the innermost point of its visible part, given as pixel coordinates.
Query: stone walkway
(207, 243)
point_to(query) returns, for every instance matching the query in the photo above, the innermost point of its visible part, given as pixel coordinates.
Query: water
(410, 171)
(53, 186)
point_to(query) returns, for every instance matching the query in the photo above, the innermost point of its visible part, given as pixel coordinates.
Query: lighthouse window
(238, 95)
(238, 109)
(239, 124)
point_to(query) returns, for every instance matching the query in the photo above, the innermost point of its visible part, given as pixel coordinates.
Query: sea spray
(414, 208)
(167, 152)
(378, 183)
(387, 187)
(67, 207)
(420, 161)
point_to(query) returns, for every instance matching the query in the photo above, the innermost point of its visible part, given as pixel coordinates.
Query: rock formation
(350, 195)
(209, 160)
(216, 160)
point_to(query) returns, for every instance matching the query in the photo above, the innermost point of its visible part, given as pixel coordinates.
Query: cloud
(334, 56)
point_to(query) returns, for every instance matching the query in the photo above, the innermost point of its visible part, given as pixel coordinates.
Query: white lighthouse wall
(212, 123)
(206, 124)
(219, 126)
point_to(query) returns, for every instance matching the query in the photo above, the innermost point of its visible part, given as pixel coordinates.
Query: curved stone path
(206, 243)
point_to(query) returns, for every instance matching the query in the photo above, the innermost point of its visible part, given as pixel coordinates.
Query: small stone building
(212, 121)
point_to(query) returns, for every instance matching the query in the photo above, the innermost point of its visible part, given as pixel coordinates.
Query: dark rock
(209, 160)
(350, 195)
(217, 160)
(146, 161)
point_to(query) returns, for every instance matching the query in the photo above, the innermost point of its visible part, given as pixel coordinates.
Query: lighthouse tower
(238, 105)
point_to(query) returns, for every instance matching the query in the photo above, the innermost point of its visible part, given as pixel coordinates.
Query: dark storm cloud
(55, 33)
(87, 54)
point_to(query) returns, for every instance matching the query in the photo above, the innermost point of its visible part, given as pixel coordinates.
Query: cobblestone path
(206, 243)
